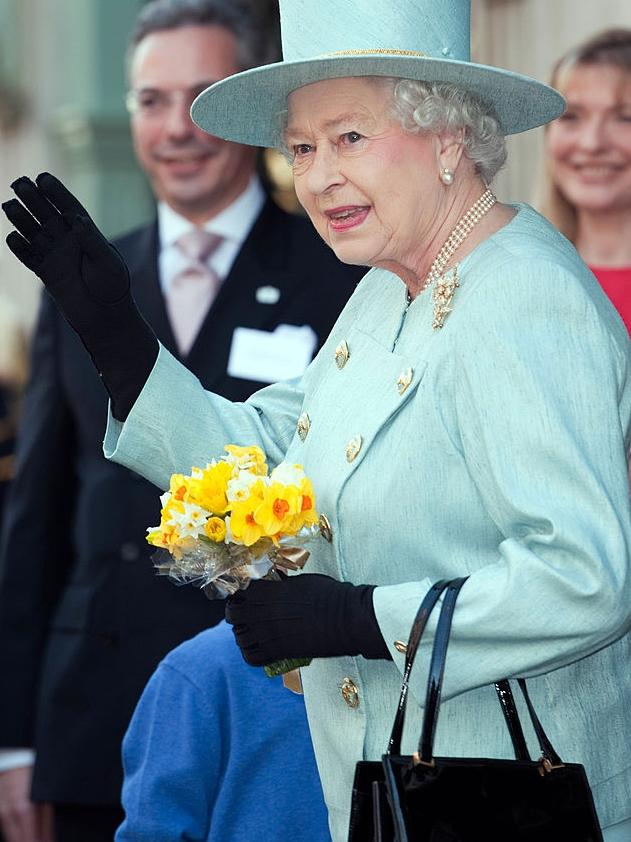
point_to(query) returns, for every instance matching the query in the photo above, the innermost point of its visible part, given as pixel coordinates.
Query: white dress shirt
(233, 224)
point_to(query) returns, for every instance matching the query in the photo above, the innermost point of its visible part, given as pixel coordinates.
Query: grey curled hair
(440, 107)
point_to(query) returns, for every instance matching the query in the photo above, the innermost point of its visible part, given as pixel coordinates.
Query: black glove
(88, 280)
(305, 616)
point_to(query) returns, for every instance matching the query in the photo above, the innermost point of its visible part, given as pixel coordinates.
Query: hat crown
(427, 40)
(433, 28)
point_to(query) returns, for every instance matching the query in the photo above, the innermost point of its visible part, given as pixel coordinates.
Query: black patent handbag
(371, 817)
(423, 798)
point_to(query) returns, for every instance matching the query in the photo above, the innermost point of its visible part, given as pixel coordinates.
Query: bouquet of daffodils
(233, 521)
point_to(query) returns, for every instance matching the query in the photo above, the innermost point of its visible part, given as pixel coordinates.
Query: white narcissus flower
(287, 474)
(190, 521)
(239, 487)
(245, 459)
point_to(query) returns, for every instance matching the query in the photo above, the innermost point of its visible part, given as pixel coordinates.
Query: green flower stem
(286, 665)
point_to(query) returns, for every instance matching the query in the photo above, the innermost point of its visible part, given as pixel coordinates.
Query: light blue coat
(504, 459)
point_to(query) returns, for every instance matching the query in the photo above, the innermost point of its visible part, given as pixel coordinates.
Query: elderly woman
(587, 193)
(443, 423)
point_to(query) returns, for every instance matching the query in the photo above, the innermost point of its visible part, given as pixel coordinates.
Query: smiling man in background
(244, 294)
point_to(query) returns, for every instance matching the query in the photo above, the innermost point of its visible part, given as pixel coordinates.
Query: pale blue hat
(427, 40)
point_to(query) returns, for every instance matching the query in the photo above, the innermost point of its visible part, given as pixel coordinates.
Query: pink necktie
(194, 288)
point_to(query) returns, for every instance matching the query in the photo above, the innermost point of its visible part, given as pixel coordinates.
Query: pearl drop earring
(447, 176)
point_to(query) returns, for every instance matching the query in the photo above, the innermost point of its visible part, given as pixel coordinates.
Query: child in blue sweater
(218, 752)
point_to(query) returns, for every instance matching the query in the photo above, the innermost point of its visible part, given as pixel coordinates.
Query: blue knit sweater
(217, 751)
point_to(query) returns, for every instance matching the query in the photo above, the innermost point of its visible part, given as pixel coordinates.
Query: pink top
(617, 284)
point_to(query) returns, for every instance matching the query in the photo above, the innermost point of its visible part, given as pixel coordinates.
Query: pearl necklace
(445, 289)
(457, 237)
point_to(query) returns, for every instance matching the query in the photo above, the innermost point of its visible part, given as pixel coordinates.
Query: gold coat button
(303, 426)
(350, 693)
(353, 448)
(341, 354)
(325, 528)
(404, 380)
(400, 646)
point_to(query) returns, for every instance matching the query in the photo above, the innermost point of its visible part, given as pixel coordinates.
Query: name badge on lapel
(269, 356)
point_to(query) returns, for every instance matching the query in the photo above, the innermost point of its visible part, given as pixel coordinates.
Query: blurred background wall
(62, 91)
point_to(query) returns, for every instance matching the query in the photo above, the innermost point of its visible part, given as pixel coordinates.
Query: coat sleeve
(176, 424)
(36, 544)
(538, 390)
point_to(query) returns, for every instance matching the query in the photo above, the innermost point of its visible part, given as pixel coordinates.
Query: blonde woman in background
(587, 193)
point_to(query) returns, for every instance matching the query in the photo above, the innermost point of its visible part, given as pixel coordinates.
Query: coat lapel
(143, 267)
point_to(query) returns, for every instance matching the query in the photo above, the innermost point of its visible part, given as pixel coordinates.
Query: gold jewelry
(444, 290)
(376, 51)
(442, 295)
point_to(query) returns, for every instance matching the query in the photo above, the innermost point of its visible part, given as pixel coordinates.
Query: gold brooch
(442, 295)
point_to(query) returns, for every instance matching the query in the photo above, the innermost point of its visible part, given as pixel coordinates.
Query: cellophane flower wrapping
(233, 521)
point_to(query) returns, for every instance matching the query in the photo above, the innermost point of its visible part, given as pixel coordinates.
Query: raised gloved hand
(89, 281)
(309, 615)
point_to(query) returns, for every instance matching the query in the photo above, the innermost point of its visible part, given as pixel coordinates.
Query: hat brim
(249, 107)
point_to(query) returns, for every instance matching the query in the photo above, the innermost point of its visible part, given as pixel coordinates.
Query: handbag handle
(503, 689)
(547, 749)
(434, 689)
(511, 717)
(437, 670)
(418, 627)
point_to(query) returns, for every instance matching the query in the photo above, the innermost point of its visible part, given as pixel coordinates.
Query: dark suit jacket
(7, 442)
(84, 620)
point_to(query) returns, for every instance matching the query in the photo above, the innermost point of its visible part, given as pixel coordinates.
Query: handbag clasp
(418, 760)
(545, 766)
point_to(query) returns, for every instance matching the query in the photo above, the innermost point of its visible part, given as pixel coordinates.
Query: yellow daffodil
(244, 527)
(170, 507)
(215, 529)
(179, 486)
(280, 504)
(250, 459)
(154, 537)
(164, 536)
(208, 487)
(308, 515)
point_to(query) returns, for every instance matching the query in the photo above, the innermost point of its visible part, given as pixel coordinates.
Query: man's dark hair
(256, 41)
